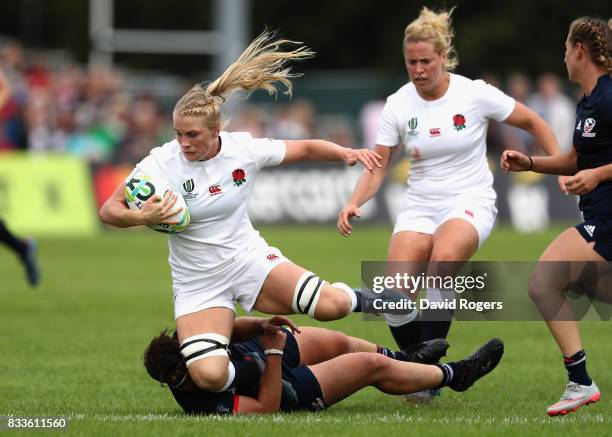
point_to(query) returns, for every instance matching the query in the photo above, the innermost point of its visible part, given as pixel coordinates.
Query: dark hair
(163, 359)
(595, 35)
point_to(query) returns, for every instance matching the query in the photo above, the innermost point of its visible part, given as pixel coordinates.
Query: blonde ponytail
(260, 65)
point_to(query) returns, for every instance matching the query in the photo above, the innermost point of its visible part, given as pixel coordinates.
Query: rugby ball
(140, 187)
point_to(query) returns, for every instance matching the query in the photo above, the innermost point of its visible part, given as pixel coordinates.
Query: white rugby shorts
(423, 213)
(240, 283)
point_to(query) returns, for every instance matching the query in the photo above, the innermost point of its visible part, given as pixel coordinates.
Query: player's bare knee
(343, 343)
(209, 376)
(376, 364)
(339, 342)
(541, 288)
(334, 304)
(534, 288)
(443, 255)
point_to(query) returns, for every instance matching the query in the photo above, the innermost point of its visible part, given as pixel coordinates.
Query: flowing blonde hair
(260, 65)
(437, 29)
(596, 35)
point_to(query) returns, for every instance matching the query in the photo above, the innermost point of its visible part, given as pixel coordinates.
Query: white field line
(360, 418)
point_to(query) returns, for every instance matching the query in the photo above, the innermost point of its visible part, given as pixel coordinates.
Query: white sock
(396, 320)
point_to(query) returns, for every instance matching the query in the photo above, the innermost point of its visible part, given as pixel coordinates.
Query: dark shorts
(599, 230)
(307, 388)
(302, 380)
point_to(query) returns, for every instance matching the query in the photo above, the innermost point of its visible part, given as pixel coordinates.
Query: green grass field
(73, 347)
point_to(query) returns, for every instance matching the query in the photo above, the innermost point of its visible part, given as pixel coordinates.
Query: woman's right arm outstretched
(367, 186)
(560, 164)
(115, 211)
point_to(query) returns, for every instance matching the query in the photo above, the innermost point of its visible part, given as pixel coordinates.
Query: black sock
(434, 329)
(418, 331)
(576, 368)
(407, 335)
(396, 355)
(448, 373)
(17, 245)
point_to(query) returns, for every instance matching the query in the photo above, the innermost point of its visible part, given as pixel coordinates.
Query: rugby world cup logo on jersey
(188, 187)
(412, 125)
(589, 124)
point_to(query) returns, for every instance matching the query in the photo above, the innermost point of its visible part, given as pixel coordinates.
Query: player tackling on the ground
(309, 369)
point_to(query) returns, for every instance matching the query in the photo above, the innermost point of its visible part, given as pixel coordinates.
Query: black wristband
(530, 163)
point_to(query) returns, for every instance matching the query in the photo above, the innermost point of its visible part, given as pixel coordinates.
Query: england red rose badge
(239, 177)
(459, 121)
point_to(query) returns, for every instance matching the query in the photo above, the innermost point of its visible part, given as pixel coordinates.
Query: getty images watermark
(487, 290)
(409, 284)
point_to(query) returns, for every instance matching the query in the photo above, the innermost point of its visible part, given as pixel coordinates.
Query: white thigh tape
(202, 346)
(307, 293)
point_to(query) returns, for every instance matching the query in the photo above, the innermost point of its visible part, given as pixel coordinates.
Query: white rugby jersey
(445, 138)
(217, 193)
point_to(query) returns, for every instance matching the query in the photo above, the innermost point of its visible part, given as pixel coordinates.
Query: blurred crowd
(97, 115)
(67, 109)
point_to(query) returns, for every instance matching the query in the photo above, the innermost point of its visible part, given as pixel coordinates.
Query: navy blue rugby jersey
(593, 143)
(226, 402)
